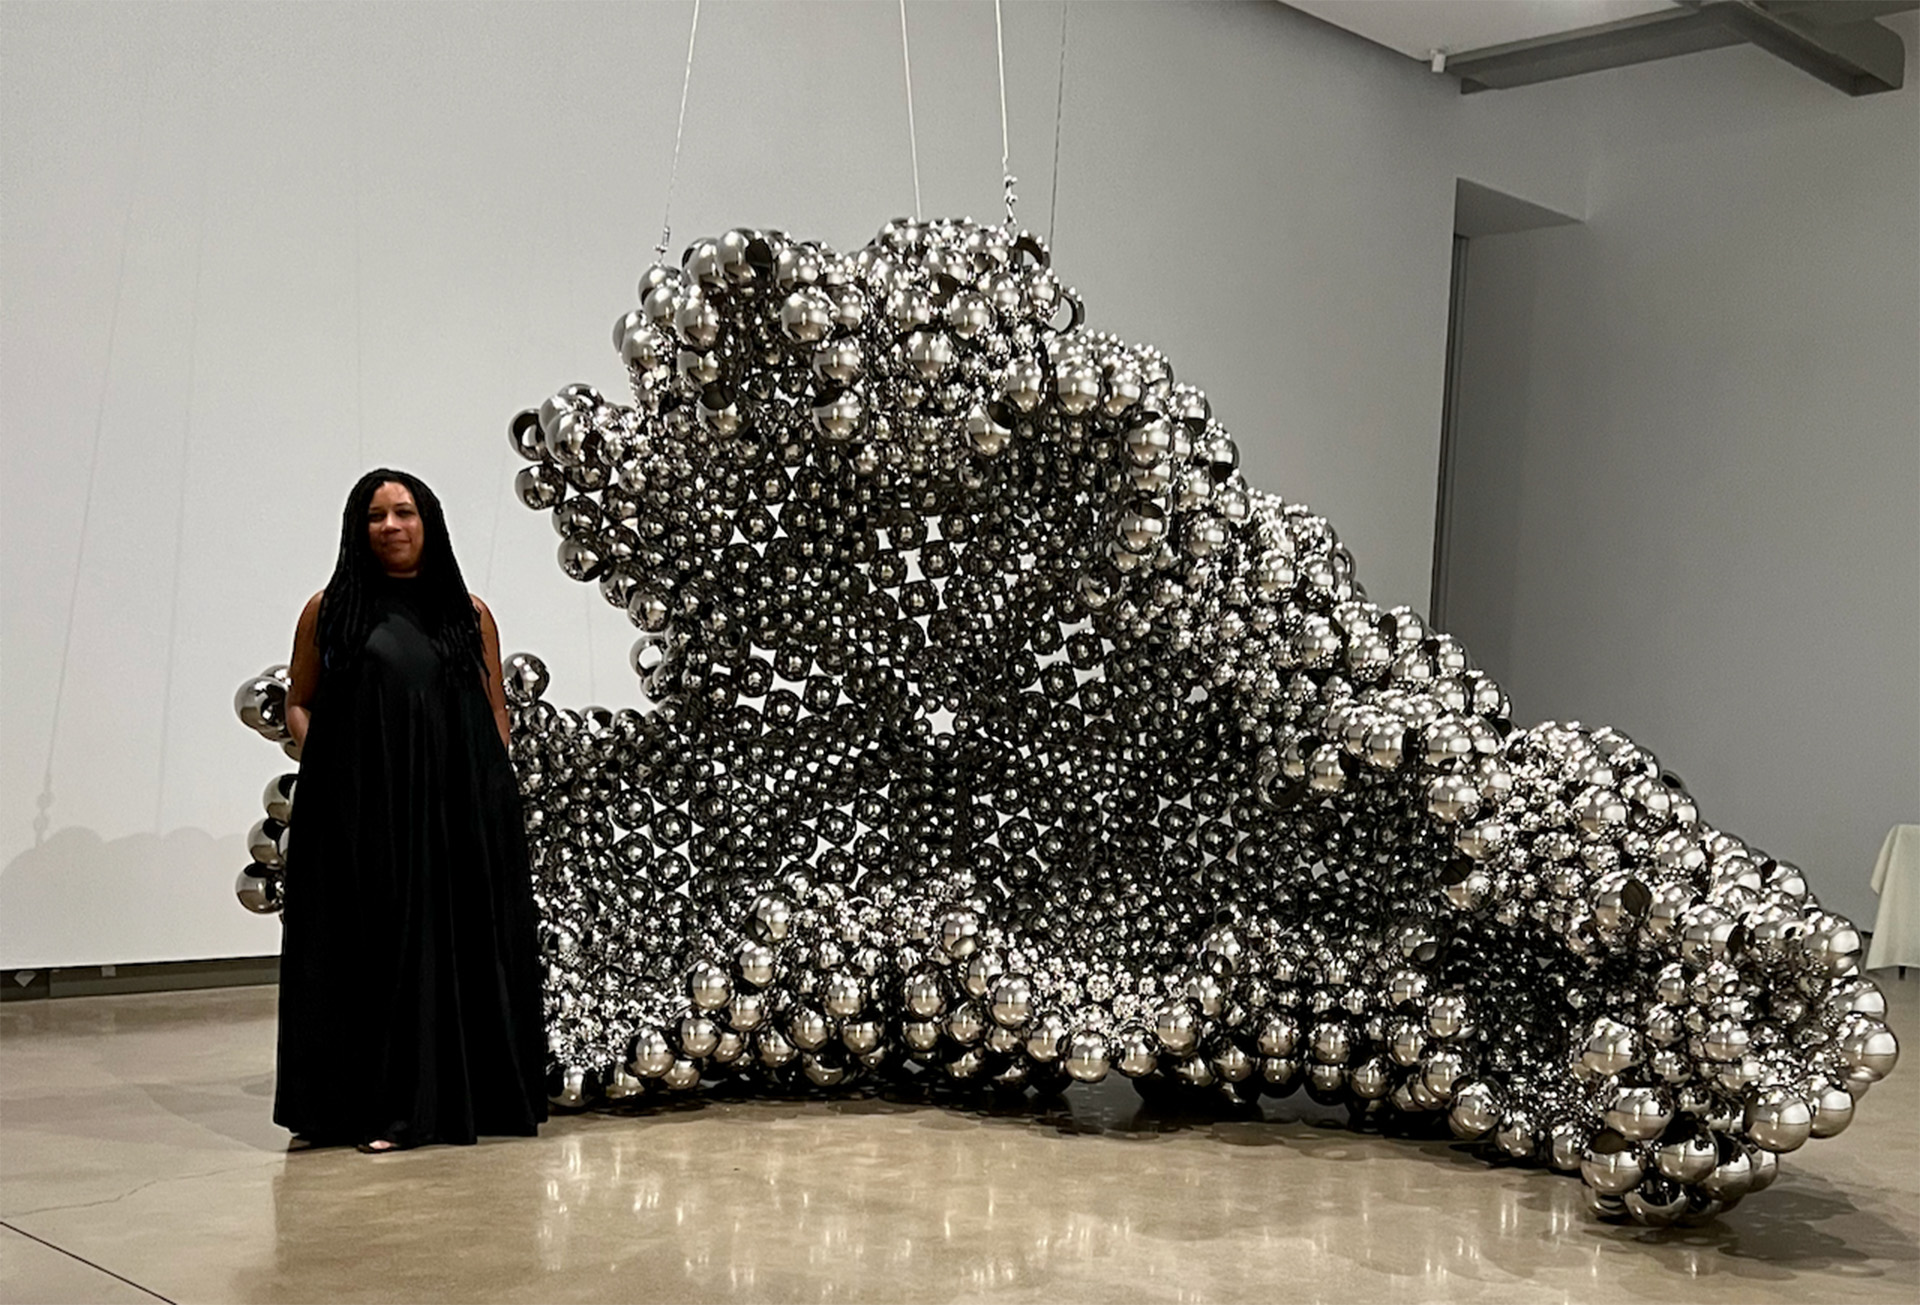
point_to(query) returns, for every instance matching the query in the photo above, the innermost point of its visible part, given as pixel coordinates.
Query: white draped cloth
(1896, 877)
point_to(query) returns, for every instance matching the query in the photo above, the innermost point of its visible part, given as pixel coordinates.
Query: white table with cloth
(1896, 877)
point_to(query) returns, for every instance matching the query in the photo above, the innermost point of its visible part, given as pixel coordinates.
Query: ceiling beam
(1834, 40)
(1833, 13)
(1860, 58)
(1639, 39)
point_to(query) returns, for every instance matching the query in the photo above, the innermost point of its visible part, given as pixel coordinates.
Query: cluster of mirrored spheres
(1002, 737)
(261, 702)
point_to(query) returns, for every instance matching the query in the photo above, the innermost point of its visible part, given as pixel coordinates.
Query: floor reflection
(1099, 1194)
(824, 1199)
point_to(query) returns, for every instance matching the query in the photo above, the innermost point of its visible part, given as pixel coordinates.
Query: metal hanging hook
(913, 137)
(679, 132)
(1006, 153)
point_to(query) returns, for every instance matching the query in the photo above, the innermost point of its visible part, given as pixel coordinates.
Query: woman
(410, 1006)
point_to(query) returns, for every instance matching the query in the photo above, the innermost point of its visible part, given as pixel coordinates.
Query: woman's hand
(304, 671)
(490, 656)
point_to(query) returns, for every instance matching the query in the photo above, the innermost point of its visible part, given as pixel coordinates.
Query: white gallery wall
(1687, 476)
(247, 251)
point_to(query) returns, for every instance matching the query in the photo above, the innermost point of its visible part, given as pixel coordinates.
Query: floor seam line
(89, 1263)
(131, 1191)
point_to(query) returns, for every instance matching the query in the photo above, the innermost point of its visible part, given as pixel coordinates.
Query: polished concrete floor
(138, 1162)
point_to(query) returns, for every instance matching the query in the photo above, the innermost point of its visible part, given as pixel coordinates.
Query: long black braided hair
(347, 608)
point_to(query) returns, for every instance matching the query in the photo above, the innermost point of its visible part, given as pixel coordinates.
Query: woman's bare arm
(304, 671)
(496, 688)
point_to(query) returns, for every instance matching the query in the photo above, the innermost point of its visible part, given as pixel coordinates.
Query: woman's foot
(378, 1146)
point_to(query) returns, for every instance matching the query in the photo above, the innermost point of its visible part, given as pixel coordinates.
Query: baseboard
(151, 976)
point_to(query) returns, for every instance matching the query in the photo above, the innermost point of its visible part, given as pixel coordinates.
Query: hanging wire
(43, 806)
(359, 314)
(515, 358)
(1006, 153)
(913, 138)
(180, 505)
(590, 603)
(679, 131)
(1059, 101)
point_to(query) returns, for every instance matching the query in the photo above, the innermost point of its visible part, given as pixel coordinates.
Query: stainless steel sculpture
(1002, 732)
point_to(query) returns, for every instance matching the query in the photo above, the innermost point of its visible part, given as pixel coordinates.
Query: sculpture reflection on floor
(1003, 734)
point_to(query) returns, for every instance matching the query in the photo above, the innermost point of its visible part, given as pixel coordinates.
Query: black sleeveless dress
(410, 1003)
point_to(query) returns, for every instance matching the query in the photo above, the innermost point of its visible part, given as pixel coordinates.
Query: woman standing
(410, 1004)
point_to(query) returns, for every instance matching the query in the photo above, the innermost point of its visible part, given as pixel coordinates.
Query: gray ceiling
(1496, 44)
